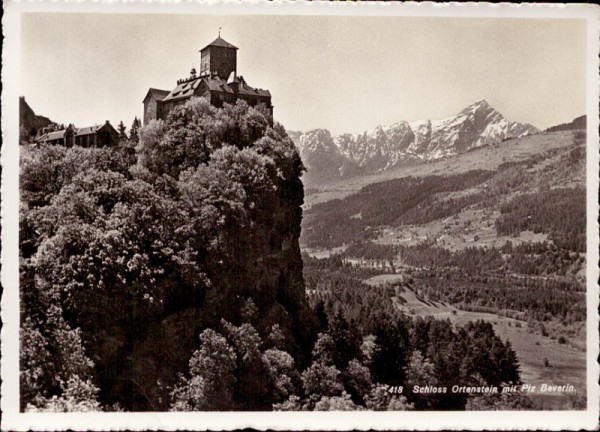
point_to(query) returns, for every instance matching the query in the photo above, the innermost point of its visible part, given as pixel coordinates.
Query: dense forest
(166, 274)
(559, 212)
(396, 202)
(423, 351)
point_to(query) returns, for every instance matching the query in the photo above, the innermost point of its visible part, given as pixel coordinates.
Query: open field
(469, 228)
(566, 364)
(484, 158)
(323, 253)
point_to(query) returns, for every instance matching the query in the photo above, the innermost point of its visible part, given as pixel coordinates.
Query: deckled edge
(333, 421)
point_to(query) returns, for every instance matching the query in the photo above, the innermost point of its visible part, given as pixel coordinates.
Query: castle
(218, 82)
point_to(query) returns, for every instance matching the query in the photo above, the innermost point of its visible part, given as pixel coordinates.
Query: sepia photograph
(250, 215)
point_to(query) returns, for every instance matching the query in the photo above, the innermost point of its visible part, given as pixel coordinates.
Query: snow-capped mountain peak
(386, 146)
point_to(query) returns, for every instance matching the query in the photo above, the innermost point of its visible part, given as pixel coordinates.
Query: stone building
(218, 82)
(90, 136)
(153, 108)
(97, 136)
(64, 137)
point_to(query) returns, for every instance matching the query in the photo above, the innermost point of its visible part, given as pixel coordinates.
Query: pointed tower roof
(220, 42)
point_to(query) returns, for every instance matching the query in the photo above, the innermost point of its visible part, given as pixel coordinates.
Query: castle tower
(219, 57)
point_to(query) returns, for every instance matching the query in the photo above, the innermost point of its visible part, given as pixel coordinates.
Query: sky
(344, 73)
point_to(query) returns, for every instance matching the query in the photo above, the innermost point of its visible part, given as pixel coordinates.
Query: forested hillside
(577, 123)
(411, 351)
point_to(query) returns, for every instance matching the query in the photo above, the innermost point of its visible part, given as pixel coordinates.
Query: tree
(122, 131)
(249, 311)
(193, 131)
(113, 269)
(321, 315)
(252, 390)
(35, 363)
(324, 349)
(134, 130)
(390, 359)
(283, 375)
(510, 369)
(77, 396)
(420, 372)
(142, 258)
(322, 380)
(294, 403)
(336, 403)
(56, 373)
(368, 348)
(488, 356)
(276, 338)
(212, 376)
(45, 172)
(346, 338)
(357, 380)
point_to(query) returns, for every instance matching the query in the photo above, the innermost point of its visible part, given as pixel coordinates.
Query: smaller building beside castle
(218, 82)
(90, 136)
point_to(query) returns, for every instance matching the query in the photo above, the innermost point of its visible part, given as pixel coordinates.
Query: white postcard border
(12, 419)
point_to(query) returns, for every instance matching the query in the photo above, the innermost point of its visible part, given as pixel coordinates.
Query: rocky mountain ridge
(330, 157)
(29, 121)
(577, 123)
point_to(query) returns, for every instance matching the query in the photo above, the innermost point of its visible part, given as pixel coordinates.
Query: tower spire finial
(219, 31)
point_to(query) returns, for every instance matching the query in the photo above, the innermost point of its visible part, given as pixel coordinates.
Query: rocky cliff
(29, 120)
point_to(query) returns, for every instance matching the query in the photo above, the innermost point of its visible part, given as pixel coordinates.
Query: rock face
(258, 256)
(381, 147)
(385, 147)
(29, 120)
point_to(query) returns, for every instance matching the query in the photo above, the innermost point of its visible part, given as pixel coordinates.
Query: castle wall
(151, 110)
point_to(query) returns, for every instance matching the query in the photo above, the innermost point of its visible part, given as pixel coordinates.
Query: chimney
(233, 82)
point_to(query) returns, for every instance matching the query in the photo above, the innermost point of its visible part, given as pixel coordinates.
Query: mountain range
(328, 157)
